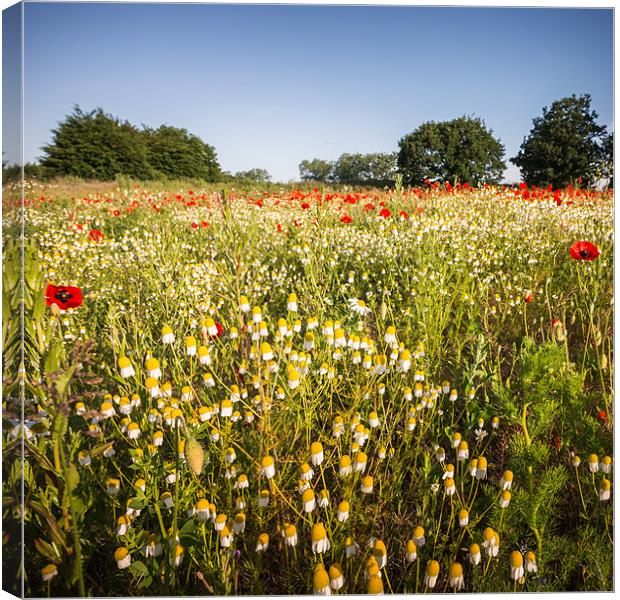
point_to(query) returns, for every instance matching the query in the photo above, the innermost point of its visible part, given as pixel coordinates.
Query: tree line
(565, 144)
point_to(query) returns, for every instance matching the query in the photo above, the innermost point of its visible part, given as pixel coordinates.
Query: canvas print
(306, 299)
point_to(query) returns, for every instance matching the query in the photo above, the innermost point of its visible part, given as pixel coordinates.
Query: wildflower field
(308, 391)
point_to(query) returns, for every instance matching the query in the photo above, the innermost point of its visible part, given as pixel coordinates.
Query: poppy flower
(385, 213)
(583, 250)
(305, 206)
(64, 297)
(602, 417)
(346, 219)
(95, 235)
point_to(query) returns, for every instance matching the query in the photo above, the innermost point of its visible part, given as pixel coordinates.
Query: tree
(254, 175)
(96, 145)
(459, 150)
(373, 169)
(564, 144)
(176, 153)
(316, 170)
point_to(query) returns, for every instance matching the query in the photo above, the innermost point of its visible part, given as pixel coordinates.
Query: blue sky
(271, 85)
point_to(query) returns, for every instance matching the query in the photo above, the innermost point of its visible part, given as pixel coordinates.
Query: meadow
(309, 391)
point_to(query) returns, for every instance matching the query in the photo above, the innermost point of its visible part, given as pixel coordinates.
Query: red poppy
(64, 296)
(305, 206)
(346, 219)
(529, 297)
(385, 213)
(584, 250)
(95, 235)
(602, 417)
(403, 215)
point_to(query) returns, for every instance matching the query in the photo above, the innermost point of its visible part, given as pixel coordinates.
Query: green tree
(459, 150)
(564, 144)
(96, 145)
(254, 175)
(375, 169)
(316, 170)
(175, 153)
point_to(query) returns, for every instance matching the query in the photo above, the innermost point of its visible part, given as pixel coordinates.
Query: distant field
(290, 391)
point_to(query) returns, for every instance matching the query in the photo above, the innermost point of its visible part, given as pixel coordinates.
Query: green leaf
(139, 569)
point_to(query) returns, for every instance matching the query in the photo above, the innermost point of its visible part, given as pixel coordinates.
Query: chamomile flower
(167, 336)
(375, 585)
(516, 565)
(263, 499)
(262, 543)
(126, 367)
(308, 500)
(238, 525)
(113, 486)
(504, 499)
(463, 451)
(48, 572)
(593, 463)
(336, 577)
(418, 536)
(244, 304)
(491, 542)
(292, 378)
(463, 517)
(366, 485)
(605, 464)
(389, 336)
(320, 581)
(201, 510)
(122, 557)
(152, 387)
(379, 551)
(226, 537)
(359, 307)
(190, 345)
(456, 580)
(84, 458)
(411, 551)
(343, 511)
(605, 490)
(290, 535)
(306, 472)
(320, 541)
(351, 547)
(530, 563)
(432, 572)
(361, 460)
(474, 554)
(506, 481)
(449, 487)
(268, 468)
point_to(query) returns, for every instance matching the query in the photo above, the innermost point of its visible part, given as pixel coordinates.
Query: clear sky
(269, 86)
